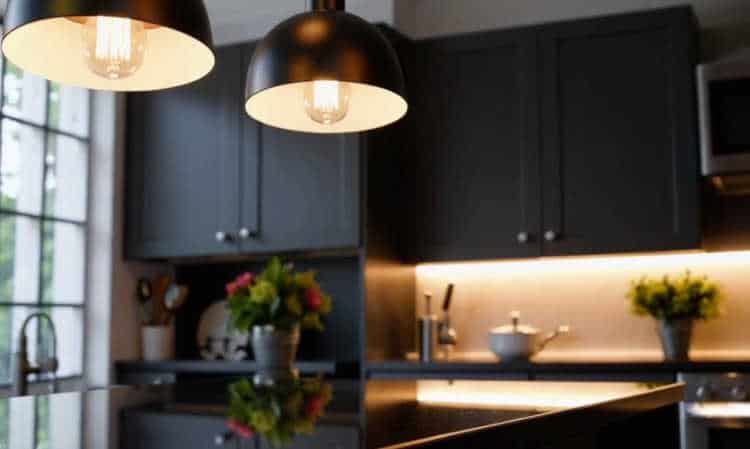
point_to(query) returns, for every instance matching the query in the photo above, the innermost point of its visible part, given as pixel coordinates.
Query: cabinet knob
(738, 393)
(550, 236)
(245, 234)
(522, 237)
(704, 392)
(223, 237)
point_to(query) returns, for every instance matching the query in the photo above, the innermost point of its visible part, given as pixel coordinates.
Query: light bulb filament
(114, 46)
(113, 37)
(327, 101)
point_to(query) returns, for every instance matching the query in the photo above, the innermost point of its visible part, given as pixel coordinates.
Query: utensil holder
(157, 343)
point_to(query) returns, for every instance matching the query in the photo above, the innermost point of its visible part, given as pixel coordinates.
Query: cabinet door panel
(619, 153)
(477, 167)
(183, 175)
(309, 191)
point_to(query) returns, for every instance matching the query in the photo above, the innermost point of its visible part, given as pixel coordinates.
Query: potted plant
(675, 304)
(273, 306)
(278, 411)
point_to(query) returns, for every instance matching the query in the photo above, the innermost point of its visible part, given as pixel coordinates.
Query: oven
(716, 411)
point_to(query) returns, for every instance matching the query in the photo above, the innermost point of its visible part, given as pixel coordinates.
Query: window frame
(43, 218)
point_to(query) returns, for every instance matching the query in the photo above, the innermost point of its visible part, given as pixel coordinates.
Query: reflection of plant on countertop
(685, 297)
(278, 296)
(277, 412)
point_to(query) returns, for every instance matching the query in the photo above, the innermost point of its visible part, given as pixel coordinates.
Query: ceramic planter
(675, 338)
(274, 349)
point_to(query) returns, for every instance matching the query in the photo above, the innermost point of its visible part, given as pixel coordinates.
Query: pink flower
(231, 288)
(313, 299)
(314, 406)
(244, 280)
(240, 429)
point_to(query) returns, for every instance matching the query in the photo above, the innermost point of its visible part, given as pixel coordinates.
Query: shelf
(545, 369)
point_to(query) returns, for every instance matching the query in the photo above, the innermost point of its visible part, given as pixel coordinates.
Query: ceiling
(240, 20)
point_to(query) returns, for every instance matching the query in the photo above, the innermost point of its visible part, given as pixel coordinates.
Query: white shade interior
(283, 106)
(53, 48)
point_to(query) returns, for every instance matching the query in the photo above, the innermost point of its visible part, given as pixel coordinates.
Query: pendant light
(325, 71)
(118, 45)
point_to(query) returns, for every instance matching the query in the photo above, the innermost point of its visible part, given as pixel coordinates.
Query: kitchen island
(348, 414)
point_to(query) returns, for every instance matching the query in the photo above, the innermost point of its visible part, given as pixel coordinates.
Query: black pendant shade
(337, 48)
(133, 45)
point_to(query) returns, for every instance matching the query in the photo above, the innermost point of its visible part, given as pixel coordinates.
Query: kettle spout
(564, 329)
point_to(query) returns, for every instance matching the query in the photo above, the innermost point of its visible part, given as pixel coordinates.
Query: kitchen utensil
(446, 334)
(173, 300)
(518, 341)
(160, 287)
(143, 293)
(427, 332)
(216, 339)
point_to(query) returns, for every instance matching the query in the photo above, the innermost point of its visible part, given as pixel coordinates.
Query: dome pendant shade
(116, 45)
(325, 71)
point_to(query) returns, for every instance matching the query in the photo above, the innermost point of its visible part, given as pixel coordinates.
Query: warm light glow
(173, 57)
(327, 101)
(521, 395)
(370, 107)
(114, 47)
(679, 260)
(720, 410)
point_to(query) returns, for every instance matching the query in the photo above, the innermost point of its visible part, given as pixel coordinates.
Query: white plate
(226, 344)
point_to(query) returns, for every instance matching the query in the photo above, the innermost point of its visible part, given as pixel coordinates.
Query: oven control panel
(716, 387)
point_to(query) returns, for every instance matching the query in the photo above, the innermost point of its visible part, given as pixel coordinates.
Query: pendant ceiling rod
(327, 5)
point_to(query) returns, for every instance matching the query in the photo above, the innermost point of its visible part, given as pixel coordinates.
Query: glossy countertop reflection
(357, 415)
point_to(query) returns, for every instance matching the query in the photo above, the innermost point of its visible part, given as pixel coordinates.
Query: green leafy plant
(685, 297)
(278, 296)
(278, 412)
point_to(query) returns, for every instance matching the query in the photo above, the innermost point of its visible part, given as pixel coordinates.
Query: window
(44, 157)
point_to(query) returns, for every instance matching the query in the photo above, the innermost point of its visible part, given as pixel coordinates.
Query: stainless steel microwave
(724, 114)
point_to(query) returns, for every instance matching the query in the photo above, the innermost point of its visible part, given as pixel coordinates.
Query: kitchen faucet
(22, 365)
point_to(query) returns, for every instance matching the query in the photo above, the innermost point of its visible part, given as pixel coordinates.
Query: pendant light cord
(327, 5)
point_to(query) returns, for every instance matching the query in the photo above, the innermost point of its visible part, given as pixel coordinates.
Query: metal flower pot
(274, 349)
(675, 338)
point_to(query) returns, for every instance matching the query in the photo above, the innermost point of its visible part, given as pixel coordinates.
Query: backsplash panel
(588, 293)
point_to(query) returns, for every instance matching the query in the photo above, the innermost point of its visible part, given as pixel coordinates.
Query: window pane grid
(42, 217)
(45, 128)
(43, 214)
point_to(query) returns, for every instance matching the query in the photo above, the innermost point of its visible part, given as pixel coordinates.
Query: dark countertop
(372, 415)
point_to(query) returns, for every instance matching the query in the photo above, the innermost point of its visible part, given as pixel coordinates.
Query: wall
(724, 22)
(112, 331)
(588, 293)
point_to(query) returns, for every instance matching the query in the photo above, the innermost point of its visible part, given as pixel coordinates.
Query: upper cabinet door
(309, 192)
(477, 142)
(619, 162)
(183, 172)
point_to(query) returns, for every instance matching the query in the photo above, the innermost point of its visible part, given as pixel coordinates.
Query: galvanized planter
(675, 338)
(275, 349)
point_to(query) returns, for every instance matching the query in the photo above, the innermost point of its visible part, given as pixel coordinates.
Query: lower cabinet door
(154, 430)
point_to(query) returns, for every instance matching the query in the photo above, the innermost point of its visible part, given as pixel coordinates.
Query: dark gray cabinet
(183, 178)
(571, 138)
(619, 152)
(309, 191)
(204, 179)
(475, 98)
